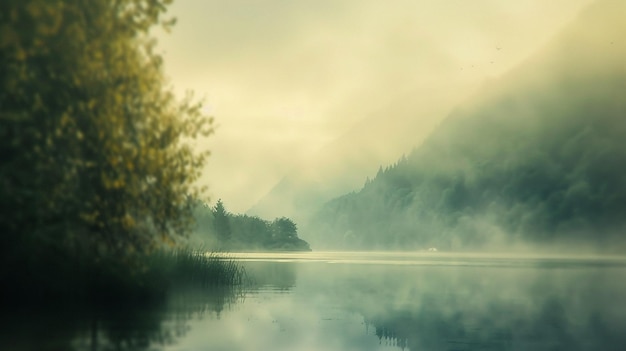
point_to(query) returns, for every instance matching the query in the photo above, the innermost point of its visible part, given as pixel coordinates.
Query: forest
(535, 159)
(217, 228)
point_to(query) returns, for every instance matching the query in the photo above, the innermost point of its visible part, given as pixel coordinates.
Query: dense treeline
(538, 190)
(537, 158)
(217, 228)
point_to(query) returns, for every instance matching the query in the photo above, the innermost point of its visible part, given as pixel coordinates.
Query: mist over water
(368, 301)
(380, 301)
(492, 217)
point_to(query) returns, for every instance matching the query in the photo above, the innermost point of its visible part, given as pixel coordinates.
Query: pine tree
(222, 223)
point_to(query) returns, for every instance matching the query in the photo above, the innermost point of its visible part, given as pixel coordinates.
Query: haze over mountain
(286, 79)
(342, 165)
(535, 157)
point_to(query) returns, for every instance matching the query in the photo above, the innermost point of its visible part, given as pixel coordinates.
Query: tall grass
(200, 269)
(107, 302)
(162, 273)
(147, 278)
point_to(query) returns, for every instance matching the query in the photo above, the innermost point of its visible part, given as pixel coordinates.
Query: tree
(222, 223)
(95, 149)
(285, 228)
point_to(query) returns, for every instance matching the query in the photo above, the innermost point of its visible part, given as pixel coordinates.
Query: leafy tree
(284, 228)
(95, 149)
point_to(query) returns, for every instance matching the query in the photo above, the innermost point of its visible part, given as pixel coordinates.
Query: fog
(534, 156)
(364, 301)
(431, 175)
(320, 94)
(441, 302)
(392, 302)
(451, 125)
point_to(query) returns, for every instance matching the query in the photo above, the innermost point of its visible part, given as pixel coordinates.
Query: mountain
(343, 164)
(536, 158)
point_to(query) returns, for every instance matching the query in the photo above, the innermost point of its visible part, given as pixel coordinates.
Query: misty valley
(405, 175)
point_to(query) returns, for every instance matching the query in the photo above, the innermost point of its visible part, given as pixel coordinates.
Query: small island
(217, 229)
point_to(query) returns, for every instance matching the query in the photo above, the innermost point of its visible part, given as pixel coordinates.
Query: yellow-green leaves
(90, 136)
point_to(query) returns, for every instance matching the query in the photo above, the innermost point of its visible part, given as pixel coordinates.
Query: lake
(367, 301)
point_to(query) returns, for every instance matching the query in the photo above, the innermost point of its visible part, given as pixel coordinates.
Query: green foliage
(95, 150)
(284, 229)
(536, 162)
(245, 232)
(196, 269)
(562, 183)
(221, 223)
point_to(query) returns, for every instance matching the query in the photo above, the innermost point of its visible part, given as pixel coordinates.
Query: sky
(284, 78)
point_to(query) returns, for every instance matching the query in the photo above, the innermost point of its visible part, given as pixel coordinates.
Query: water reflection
(360, 301)
(271, 274)
(493, 308)
(148, 325)
(471, 303)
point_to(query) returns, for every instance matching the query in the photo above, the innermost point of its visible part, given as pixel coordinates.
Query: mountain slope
(344, 163)
(536, 157)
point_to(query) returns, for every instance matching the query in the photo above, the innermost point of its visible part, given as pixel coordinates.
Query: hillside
(535, 158)
(343, 164)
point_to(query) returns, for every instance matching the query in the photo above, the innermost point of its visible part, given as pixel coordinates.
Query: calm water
(376, 301)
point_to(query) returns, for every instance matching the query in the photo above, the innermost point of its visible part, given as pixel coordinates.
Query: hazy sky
(284, 78)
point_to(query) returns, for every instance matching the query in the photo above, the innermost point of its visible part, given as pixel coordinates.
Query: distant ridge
(342, 165)
(536, 157)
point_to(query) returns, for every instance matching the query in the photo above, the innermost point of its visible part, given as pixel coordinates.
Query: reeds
(107, 301)
(201, 269)
(146, 278)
